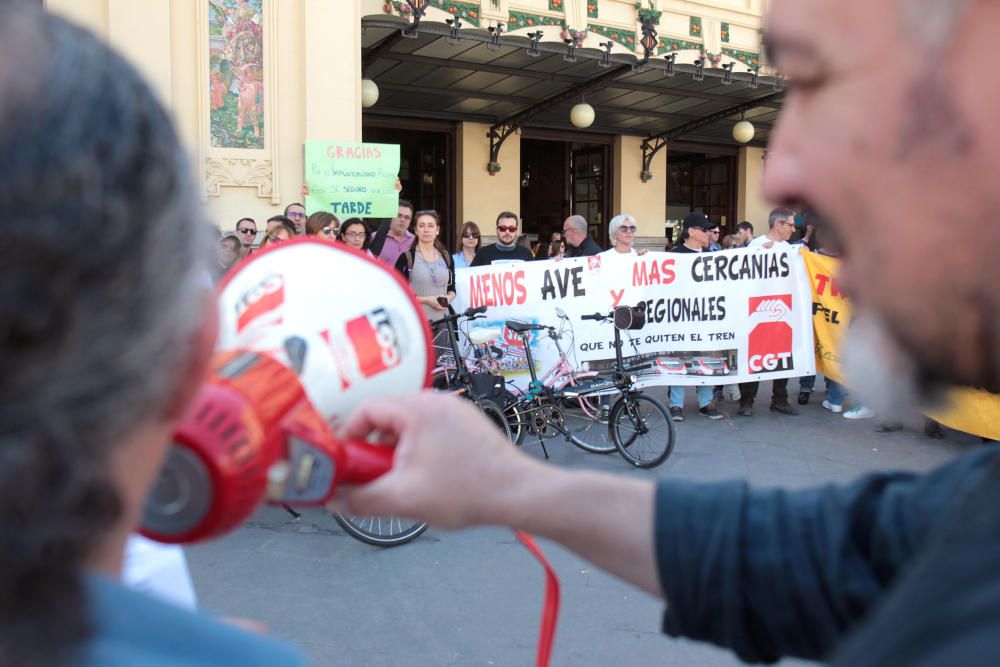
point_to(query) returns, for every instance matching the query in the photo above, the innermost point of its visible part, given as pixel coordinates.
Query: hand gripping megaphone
(308, 330)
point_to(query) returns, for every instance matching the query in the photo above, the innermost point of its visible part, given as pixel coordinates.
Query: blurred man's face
(401, 223)
(888, 181)
(507, 231)
(783, 228)
(297, 215)
(745, 236)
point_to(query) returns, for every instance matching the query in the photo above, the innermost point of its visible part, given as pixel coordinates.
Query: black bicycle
(637, 424)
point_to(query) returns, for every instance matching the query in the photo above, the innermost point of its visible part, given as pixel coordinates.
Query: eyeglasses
(243, 230)
(354, 235)
(296, 215)
(507, 230)
(630, 229)
(473, 235)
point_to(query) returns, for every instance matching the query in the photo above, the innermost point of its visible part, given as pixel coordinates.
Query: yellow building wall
(750, 204)
(482, 196)
(645, 201)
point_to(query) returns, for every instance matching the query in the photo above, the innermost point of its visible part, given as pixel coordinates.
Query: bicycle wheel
(642, 430)
(516, 418)
(380, 531)
(495, 414)
(584, 428)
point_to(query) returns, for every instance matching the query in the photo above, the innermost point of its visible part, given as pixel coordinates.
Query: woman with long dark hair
(354, 233)
(428, 266)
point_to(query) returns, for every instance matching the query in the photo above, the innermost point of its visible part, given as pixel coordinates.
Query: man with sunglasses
(505, 250)
(246, 230)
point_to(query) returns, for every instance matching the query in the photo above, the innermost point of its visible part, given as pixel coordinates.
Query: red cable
(550, 606)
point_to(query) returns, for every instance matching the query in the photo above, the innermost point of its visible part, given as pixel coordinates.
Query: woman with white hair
(621, 231)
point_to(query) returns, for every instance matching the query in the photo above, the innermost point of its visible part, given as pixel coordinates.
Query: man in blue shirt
(895, 569)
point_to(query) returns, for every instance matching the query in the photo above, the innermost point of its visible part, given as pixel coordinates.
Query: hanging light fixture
(369, 93)
(743, 131)
(582, 115)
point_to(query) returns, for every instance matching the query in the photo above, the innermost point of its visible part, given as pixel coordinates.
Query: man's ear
(200, 346)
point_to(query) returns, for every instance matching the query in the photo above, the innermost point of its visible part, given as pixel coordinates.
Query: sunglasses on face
(330, 230)
(628, 228)
(507, 230)
(470, 235)
(246, 231)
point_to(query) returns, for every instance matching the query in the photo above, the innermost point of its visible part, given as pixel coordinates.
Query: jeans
(806, 384)
(677, 396)
(835, 393)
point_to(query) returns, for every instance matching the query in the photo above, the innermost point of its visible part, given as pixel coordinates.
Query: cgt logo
(375, 342)
(265, 297)
(770, 344)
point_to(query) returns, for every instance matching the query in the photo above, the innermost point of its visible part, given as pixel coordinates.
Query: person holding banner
(694, 238)
(780, 224)
(393, 238)
(577, 238)
(506, 250)
(621, 231)
(428, 266)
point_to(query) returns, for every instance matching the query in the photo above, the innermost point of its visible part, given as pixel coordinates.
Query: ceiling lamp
(582, 115)
(369, 93)
(743, 131)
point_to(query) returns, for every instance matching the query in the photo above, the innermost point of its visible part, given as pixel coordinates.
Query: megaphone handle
(364, 462)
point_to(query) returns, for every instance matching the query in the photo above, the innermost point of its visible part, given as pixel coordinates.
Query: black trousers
(779, 394)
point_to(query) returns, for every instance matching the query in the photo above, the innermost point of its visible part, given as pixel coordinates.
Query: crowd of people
(410, 242)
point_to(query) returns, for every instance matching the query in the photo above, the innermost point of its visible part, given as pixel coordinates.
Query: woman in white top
(621, 231)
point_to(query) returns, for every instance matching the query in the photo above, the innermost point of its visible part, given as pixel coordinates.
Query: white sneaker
(859, 412)
(835, 409)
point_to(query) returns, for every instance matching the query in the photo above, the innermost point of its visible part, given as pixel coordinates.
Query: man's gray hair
(779, 214)
(617, 222)
(578, 222)
(101, 277)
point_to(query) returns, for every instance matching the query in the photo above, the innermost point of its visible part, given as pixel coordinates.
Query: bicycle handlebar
(468, 313)
(597, 317)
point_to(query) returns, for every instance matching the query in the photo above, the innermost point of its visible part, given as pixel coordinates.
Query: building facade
(481, 95)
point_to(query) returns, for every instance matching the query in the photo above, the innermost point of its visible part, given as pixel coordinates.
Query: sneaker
(784, 408)
(677, 414)
(859, 412)
(710, 412)
(835, 409)
(746, 410)
(803, 398)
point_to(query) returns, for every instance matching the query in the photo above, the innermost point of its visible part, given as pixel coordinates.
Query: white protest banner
(711, 318)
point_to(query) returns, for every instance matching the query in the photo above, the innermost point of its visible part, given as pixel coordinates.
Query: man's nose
(782, 180)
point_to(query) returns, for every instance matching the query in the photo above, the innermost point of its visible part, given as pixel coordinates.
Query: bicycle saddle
(523, 327)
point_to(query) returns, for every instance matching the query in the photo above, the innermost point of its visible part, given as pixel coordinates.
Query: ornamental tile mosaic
(624, 37)
(556, 5)
(519, 20)
(592, 9)
(467, 10)
(725, 33)
(748, 58)
(668, 45)
(695, 29)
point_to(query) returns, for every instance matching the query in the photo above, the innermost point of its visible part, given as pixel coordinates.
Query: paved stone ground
(473, 598)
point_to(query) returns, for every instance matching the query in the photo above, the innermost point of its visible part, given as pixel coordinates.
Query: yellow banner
(971, 411)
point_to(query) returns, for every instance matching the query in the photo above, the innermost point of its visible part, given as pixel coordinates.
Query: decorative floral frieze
(469, 11)
(725, 33)
(624, 37)
(238, 172)
(592, 9)
(518, 20)
(556, 5)
(668, 45)
(695, 27)
(748, 58)
(647, 13)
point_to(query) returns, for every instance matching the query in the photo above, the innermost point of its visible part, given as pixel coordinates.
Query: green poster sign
(352, 180)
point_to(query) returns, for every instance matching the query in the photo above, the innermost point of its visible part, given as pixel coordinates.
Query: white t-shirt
(613, 252)
(762, 239)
